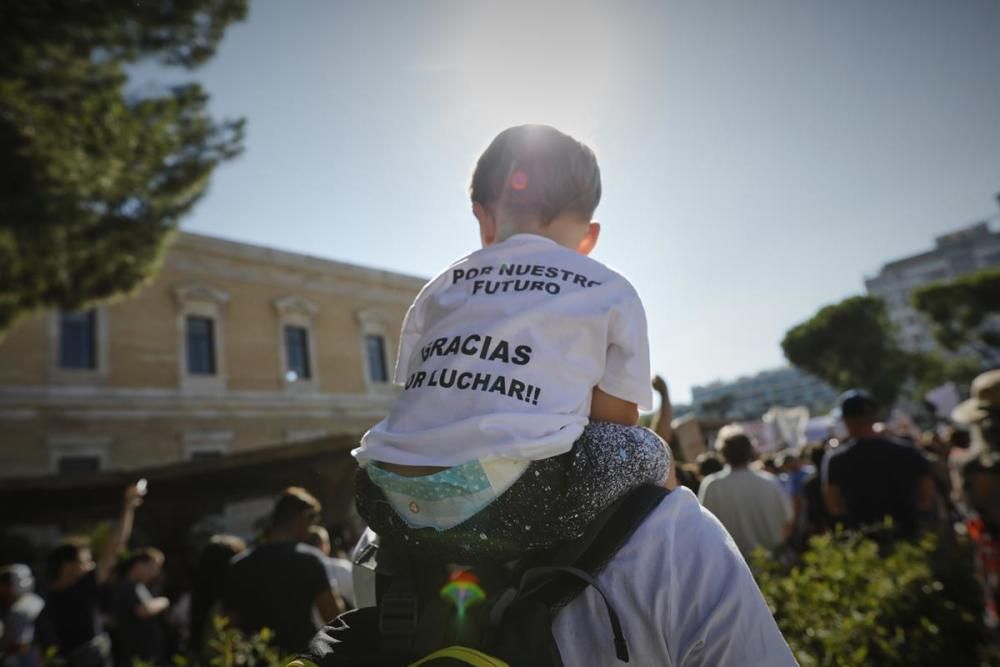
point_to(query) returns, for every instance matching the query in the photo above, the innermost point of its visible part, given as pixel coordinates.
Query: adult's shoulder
(900, 443)
(310, 553)
(714, 478)
(241, 558)
(684, 594)
(765, 476)
(29, 604)
(837, 455)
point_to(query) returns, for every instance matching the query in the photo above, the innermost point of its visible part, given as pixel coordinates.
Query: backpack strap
(594, 550)
(556, 577)
(396, 601)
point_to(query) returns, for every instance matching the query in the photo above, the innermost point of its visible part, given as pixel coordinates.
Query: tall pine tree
(93, 179)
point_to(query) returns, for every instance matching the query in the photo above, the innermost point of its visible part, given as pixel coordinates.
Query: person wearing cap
(19, 608)
(981, 479)
(873, 475)
(981, 415)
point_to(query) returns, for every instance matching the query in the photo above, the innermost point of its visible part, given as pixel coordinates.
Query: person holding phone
(71, 620)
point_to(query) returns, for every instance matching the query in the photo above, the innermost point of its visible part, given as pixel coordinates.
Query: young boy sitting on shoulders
(524, 365)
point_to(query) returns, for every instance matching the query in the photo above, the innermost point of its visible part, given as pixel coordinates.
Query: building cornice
(202, 245)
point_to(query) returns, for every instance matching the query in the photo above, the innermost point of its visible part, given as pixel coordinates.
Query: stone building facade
(231, 347)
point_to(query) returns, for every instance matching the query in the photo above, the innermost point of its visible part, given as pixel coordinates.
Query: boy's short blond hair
(537, 172)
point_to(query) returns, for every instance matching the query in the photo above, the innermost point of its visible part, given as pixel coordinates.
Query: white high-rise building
(961, 252)
(750, 397)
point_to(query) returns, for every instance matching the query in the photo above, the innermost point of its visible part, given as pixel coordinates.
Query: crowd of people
(101, 612)
(942, 480)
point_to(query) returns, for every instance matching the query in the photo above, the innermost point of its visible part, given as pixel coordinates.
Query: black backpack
(489, 614)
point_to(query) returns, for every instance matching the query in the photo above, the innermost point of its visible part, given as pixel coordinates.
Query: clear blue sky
(759, 158)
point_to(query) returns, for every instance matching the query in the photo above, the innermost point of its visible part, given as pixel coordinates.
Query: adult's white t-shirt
(499, 355)
(683, 593)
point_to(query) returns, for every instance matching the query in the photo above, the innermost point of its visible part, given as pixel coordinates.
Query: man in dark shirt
(277, 584)
(137, 613)
(872, 475)
(71, 619)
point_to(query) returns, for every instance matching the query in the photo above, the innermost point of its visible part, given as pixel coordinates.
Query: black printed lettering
(501, 352)
(471, 340)
(445, 380)
(516, 390)
(499, 385)
(522, 355)
(453, 347)
(482, 382)
(464, 380)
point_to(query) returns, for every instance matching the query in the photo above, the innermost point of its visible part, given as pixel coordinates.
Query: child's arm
(607, 408)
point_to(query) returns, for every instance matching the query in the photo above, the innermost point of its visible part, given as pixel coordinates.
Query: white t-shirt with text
(499, 355)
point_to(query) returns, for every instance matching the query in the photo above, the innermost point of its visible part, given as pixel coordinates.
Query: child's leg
(607, 462)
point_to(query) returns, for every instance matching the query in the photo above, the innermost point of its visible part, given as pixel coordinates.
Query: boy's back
(500, 353)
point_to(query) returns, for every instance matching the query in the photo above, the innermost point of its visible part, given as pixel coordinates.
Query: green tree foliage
(958, 309)
(854, 603)
(94, 178)
(930, 370)
(851, 344)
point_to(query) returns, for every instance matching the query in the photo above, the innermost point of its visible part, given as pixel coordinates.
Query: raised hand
(660, 386)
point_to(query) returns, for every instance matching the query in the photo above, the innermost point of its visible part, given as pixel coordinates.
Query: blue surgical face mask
(840, 430)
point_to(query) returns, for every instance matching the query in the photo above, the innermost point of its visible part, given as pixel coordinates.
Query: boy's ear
(487, 224)
(587, 243)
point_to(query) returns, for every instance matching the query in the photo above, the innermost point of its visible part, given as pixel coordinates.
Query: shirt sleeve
(784, 504)
(20, 629)
(626, 371)
(829, 471)
(703, 491)
(409, 339)
(319, 579)
(920, 464)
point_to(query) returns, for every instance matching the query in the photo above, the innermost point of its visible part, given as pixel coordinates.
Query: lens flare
(463, 591)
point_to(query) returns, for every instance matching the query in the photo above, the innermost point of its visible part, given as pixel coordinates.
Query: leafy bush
(231, 648)
(853, 601)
